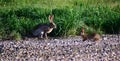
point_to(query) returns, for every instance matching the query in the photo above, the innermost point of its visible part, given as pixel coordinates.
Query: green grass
(18, 17)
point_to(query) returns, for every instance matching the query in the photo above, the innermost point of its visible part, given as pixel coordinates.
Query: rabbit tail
(37, 32)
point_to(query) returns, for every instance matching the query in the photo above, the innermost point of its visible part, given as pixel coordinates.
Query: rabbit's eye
(52, 25)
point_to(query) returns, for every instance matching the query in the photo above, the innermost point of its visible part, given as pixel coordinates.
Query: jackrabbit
(92, 36)
(44, 28)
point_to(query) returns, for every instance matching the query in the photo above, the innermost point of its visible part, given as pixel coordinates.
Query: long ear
(51, 18)
(82, 30)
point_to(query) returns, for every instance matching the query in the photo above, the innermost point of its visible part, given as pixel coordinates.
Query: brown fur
(92, 36)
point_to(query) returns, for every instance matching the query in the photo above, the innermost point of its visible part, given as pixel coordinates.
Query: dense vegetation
(18, 17)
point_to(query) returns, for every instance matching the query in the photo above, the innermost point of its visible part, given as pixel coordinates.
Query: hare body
(44, 28)
(92, 36)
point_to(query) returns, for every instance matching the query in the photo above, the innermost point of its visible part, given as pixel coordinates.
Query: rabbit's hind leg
(40, 36)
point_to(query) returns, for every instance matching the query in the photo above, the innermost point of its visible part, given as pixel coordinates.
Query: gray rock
(66, 49)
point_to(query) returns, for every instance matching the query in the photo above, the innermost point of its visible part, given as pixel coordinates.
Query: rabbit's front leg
(41, 35)
(46, 36)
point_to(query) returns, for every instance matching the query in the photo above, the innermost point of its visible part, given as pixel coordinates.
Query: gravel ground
(61, 49)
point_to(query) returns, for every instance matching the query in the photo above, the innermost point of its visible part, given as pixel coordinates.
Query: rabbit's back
(97, 37)
(37, 32)
(42, 26)
(94, 36)
(91, 35)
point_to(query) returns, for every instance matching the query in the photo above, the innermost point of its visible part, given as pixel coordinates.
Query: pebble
(66, 49)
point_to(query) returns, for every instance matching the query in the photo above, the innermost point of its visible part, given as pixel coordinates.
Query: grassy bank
(18, 17)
